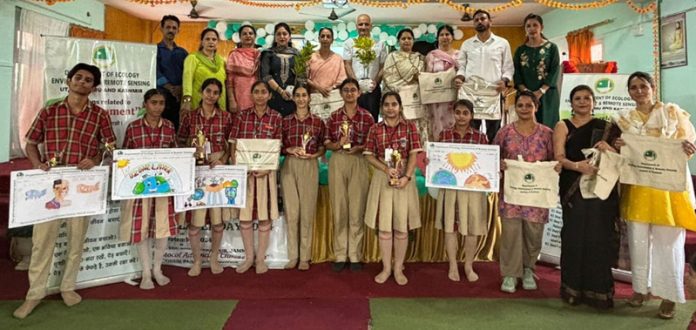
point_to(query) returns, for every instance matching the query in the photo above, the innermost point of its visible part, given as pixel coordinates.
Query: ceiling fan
(342, 6)
(466, 17)
(194, 14)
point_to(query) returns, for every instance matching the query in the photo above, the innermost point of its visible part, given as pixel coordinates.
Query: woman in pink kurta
(242, 70)
(522, 226)
(441, 59)
(326, 68)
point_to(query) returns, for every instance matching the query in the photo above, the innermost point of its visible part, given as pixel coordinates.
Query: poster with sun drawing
(472, 167)
(222, 186)
(142, 173)
(38, 196)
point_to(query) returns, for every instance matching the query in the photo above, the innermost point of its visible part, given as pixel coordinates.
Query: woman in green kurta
(536, 69)
(201, 65)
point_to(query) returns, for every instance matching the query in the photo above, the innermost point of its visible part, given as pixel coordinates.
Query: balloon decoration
(342, 31)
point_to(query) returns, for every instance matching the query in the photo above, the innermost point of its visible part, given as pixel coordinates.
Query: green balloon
(261, 41)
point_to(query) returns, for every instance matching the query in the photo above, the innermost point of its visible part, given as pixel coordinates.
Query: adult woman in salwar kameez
(441, 59)
(242, 70)
(656, 219)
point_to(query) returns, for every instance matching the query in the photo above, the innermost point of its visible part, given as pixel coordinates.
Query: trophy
(345, 131)
(306, 138)
(55, 160)
(109, 148)
(395, 163)
(199, 142)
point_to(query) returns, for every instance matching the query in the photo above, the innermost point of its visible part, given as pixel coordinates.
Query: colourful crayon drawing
(213, 191)
(88, 188)
(444, 177)
(155, 184)
(60, 191)
(34, 194)
(461, 161)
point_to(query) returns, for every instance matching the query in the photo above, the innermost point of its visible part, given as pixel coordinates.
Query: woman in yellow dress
(199, 66)
(656, 218)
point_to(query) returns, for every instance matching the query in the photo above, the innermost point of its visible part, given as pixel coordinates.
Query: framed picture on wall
(673, 41)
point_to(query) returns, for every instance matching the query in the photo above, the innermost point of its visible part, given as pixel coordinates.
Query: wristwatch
(407, 177)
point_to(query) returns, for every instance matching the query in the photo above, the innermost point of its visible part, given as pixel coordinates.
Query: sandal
(667, 310)
(637, 300)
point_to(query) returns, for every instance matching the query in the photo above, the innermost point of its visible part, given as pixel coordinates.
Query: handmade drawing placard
(258, 154)
(143, 173)
(38, 196)
(222, 186)
(472, 167)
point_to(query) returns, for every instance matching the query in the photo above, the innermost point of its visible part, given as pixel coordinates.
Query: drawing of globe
(444, 178)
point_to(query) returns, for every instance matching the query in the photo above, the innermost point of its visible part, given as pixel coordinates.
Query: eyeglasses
(349, 90)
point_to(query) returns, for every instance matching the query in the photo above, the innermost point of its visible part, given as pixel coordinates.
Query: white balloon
(432, 28)
(351, 26)
(261, 32)
(269, 40)
(269, 27)
(433, 192)
(309, 25)
(343, 35)
(309, 35)
(458, 34)
(383, 36)
(423, 28)
(376, 31)
(341, 26)
(235, 37)
(246, 23)
(417, 33)
(221, 26)
(391, 41)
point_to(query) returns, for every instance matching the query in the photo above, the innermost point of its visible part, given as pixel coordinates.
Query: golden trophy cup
(199, 142)
(306, 138)
(395, 163)
(345, 131)
(55, 160)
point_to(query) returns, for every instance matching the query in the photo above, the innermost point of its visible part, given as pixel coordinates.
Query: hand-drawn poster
(142, 173)
(472, 167)
(222, 186)
(258, 154)
(38, 196)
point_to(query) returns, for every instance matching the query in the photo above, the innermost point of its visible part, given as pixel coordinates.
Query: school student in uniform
(257, 122)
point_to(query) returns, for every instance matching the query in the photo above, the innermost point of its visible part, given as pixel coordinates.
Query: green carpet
(121, 314)
(403, 314)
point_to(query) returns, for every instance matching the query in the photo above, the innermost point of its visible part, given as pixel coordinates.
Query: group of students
(386, 200)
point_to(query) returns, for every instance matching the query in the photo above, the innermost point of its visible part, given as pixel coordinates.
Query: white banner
(138, 173)
(659, 163)
(128, 71)
(609, 89)
(231, 249)
(38, 196)
(222, 186)
(105, 259)
(472, 167)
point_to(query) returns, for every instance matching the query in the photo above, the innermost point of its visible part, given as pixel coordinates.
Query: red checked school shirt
(294, 129)
(215, 128)
(402, 137)
(360, 124)
(471, 136)
(139, 135)
(76, 137)
(247, 125)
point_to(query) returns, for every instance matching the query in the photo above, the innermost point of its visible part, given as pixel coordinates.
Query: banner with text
(611, 94)
(128, 71)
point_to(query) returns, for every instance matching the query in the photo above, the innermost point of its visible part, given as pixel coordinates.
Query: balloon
(423, 28)
(353, 34)
(269, 27)
(309, 35)
(376, 31)
(221, 26)
(246, 23)
(341, 27)
(269, 39)
(235, 37)
(261, 41)
(391, 41)
(351, 26)
(458, 34)
(309, 25)
(417, 33)
(433, 192)
(261, 32)
(342, 35)
(383, 36)
(432, 28)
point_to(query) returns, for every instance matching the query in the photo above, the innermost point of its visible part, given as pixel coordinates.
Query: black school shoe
(356, 266)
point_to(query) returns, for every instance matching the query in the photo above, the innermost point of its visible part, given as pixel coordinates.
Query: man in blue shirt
(170, 67)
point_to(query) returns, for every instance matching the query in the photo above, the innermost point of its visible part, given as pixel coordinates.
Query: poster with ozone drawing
(222, 186)
(143, 173)
(38, 196)
(472, 167)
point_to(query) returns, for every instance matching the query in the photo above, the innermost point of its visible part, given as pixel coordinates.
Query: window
(597, 51)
